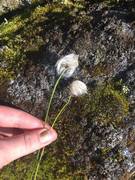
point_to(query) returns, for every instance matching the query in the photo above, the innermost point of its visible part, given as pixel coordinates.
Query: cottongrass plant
(68, 64)
(65, 68)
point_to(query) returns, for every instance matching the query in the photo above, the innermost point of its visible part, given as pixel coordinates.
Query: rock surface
(103, 124)
(9, 5)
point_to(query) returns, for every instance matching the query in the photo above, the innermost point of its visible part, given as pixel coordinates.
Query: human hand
(21, 134)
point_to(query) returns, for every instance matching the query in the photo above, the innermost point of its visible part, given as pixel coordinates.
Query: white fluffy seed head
(68, 64)
(78, 88)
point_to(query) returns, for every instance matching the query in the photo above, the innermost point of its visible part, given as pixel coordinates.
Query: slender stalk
(61, 111)
(46, 118)
(39, 161)
(50, 101)
(38, 153)
(42, 151)
(52, 95)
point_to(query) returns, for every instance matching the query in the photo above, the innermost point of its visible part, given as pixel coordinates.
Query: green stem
(38, 153)
(37, 168)
(61, 111)
(52, 95)
(42, 151)
(46, 117)
(50, 101)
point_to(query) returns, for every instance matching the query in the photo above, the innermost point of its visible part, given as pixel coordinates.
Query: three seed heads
(67, 65)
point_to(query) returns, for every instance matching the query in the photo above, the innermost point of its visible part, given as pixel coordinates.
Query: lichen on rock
(94, 130)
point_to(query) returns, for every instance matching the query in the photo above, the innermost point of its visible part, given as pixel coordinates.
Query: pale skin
(21, 134)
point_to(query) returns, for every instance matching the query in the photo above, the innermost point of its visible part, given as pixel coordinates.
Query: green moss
(25, 33)
(21, 34)
(12, 58)
(21, 169)
(104, 104)
(11, 26)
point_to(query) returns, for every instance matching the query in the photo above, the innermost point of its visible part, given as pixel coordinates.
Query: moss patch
(25, 33)
(103, 104)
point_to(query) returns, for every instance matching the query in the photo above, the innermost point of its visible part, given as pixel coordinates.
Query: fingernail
(46, 137)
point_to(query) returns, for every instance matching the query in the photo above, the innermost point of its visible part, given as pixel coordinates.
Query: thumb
(17, 146)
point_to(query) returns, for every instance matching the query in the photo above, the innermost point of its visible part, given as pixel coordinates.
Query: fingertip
(53, 133)
(48, 136)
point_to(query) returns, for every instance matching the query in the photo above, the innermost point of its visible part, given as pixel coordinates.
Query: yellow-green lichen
(26, 32)
(104, 104)
(21, 34)
(9, 27)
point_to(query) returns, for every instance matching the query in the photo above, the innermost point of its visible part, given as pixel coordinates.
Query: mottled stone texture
(96, 132)
(6, 5)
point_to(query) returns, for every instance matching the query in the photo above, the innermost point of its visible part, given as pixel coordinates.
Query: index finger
(10, 117)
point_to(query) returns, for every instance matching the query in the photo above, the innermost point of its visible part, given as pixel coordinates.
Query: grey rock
(9, 5)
